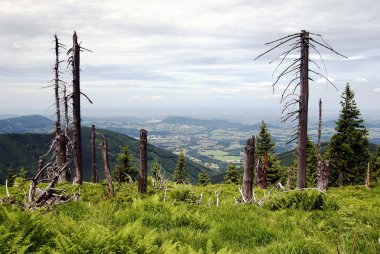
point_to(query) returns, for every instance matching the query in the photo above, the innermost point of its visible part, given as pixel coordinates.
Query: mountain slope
(26, 124)
(24, 150)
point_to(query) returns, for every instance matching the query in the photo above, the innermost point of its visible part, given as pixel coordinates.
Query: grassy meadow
(346, 220)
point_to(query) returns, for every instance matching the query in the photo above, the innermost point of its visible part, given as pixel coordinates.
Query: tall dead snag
(106, 164)
(143, 161)
(60, 138)
(323, 166)
(77, 138)
(94, 176)
(249, 162)
(298, 87)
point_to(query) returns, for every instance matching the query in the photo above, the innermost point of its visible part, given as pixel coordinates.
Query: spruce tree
(203, 178)
(232, 175)
(266, 155)
(348, 148)
(125, 167)
(311, 164)
(180, 172)
(375, 169)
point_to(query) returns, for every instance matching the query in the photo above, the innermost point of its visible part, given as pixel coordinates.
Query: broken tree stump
(143, 161)
(248, 169)
(106, 164)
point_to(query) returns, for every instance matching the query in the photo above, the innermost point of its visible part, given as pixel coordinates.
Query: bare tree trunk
(248, 169)
(319, 129)
(94, 176)
(340, 179)
(60, 144)
(143, 161)
(77, 139)
(290, 176)
(368, 178)
(303, 111)
(107, 172)
(40, 166)
(323, 180)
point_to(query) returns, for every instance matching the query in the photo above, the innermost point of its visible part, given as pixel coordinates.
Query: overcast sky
(196, 53)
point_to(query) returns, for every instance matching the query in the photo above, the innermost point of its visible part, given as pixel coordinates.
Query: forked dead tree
(297, 89)
(323, 166)
(143, 161)
(106, 164)
(249, 162)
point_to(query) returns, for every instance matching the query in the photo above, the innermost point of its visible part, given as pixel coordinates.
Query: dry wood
(106, 164)
(94, 176)
(323, 178)
(77, 139)
(290, 176)
(143, 161)
(248, 169)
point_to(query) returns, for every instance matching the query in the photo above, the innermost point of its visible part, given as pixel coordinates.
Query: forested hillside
(24, 150)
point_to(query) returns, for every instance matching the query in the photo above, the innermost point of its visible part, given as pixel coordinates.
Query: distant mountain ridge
(24, 150)
(26, 124)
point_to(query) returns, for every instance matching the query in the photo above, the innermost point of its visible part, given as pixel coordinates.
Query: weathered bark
(290, 176)
(77, 139)
(248, 169)
(303, 111)
(319, 130)
(40, 166)
(60, 138)
(36, 179)
(340, 179)
(323, 180)
(94, 176)
(106, 164)
(143, 161)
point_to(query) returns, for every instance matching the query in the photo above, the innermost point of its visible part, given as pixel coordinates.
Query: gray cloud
(201, 49)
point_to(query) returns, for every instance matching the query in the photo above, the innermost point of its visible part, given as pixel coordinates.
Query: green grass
(346, 219)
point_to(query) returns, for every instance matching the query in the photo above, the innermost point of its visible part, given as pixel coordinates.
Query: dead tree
(368, 177)
(249, 162)
(74, 60)
(323, 179)
(143, 161)
(94, 176)
(299, 42)
(106, 164)
(323, 166)
(290, 176)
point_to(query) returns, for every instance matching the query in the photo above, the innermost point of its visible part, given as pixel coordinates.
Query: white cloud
(376, 90)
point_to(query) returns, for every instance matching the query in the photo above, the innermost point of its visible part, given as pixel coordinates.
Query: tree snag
(323, 179)
(94, 176)
(106, 165)
(249, 161)
(299, 42)
(143, 161)
(77, 138)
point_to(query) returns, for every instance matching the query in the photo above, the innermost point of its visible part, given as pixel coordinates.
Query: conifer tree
(156, 171)
(311, 164)
(375, 170)
(232, 175)
(125, 167)
(266, 155)
(180, 172)
(348, 148)
(203, 178)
